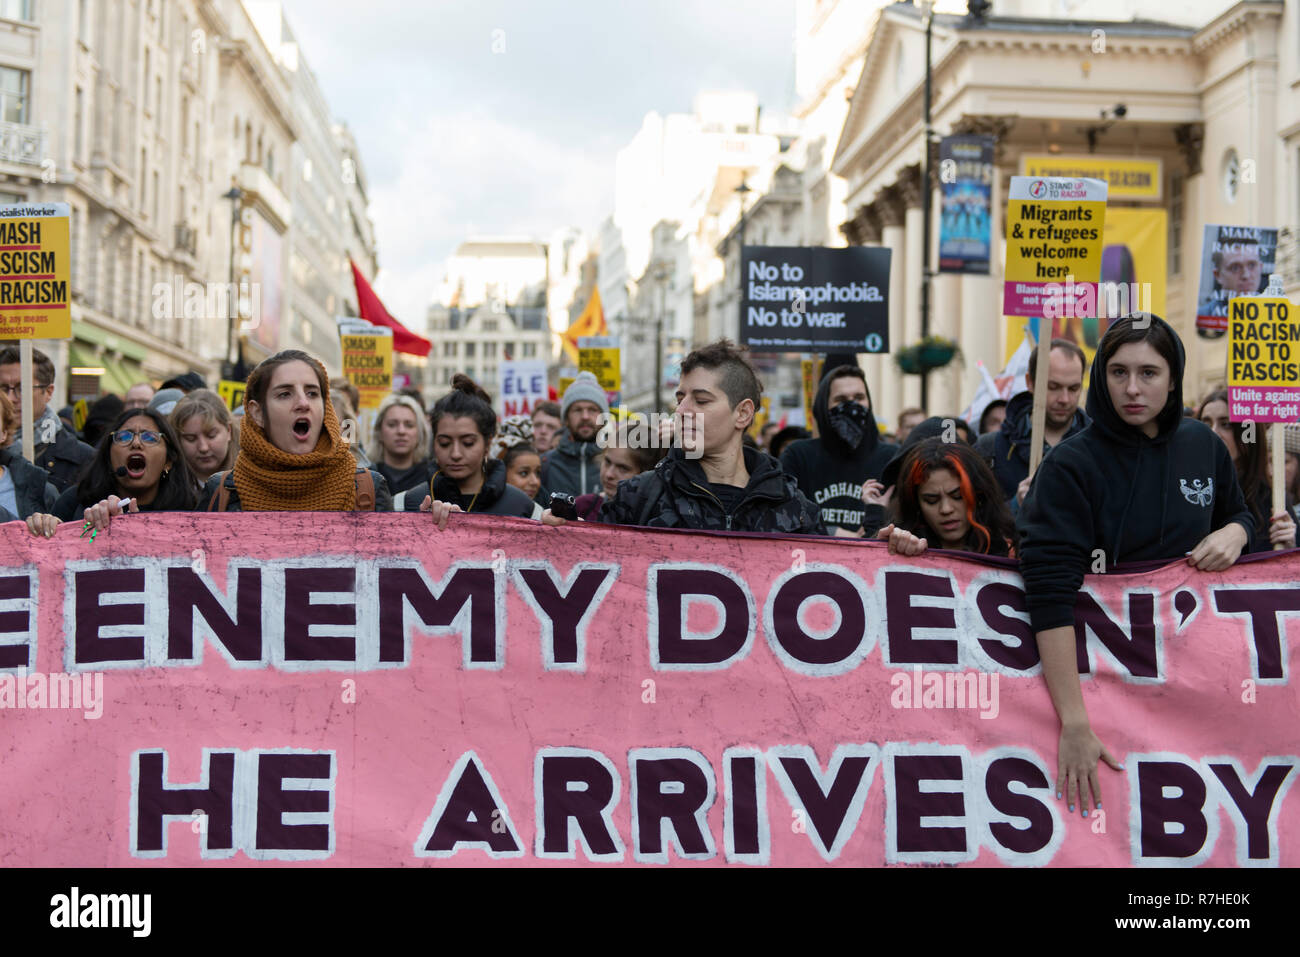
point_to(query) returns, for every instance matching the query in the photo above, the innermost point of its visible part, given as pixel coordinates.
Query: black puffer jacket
(676, 494)
(33, 491)
(496, 497)
(383, 499)
(830, 473)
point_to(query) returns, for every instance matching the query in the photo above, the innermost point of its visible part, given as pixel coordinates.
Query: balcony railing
(20, 143)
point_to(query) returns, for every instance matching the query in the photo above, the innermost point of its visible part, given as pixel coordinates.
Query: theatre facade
(1190, 125)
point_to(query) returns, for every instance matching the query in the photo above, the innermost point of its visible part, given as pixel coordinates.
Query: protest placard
(1263, 360)
(232, 393)
(600, 355)
(368, 363)
(521, 384)
(1235, 261)
(966, 191)
(356, 690)
(1054, 236)
(809, 299)
(35, 270)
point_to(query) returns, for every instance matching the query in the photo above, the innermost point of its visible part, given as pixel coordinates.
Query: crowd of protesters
(1137, 476)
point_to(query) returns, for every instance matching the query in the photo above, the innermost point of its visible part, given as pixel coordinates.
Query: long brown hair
(1252, 458)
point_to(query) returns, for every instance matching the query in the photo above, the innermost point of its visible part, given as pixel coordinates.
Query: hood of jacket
(1105, 417)
(822, 413)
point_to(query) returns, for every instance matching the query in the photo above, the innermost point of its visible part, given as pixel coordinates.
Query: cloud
(464, 173)
(458, 140)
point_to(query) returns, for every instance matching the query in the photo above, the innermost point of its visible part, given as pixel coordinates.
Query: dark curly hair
(466, 400)
(992, 530)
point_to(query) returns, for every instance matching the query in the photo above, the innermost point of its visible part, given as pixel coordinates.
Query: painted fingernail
(1058, 795)
(1071, 808)
(1098, 805)
(1085, 812)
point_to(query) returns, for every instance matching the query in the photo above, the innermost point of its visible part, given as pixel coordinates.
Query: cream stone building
(492, 306)
(142, 115)
(1208, 91)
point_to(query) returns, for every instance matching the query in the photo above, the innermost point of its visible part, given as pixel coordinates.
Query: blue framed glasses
(127, 436)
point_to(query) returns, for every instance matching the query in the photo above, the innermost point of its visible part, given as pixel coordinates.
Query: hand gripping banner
(364, 690)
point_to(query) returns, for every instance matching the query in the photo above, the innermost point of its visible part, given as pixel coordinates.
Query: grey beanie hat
(165, 400)
(585, 388)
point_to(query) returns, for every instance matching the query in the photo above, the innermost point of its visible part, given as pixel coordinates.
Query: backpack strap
(221, 501)
(365, 485)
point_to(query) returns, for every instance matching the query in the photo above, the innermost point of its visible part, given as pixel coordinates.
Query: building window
(489, 350)
(16, 9)
(1175, 224)
(489, 325)
(469, 350)
(530, 350)
(13, 94)
(449, 349)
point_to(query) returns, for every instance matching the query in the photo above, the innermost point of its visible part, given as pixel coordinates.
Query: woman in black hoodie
(832, 468)
(465, 477)
(1139, 483)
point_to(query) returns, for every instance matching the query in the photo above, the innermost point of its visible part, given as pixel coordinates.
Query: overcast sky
(457, 139)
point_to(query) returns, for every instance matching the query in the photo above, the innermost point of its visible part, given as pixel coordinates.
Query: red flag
(372, 310)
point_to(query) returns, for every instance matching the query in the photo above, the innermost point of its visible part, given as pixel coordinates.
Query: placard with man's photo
(1235, 261)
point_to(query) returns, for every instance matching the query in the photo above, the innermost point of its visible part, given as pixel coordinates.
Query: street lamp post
(928, 7)
(662, 273)
(744, 189)
(234, 194)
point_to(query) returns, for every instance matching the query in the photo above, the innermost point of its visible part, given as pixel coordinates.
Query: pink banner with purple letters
(194, 689)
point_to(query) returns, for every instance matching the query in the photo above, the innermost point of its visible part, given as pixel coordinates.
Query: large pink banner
(364, 690)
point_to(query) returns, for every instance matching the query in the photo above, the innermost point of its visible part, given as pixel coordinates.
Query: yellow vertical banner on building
(35, 271)
(368, 364)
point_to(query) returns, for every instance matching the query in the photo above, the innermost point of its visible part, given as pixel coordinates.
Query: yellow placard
(1126, 178)
(761, 416)
(35, 271)
(809, 370)
(565, 382)
(368, 365)
(80, 410)
(604, 365)
(232, 393)
(1263, 351)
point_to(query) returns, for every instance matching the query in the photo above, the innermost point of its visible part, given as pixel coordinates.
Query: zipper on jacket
(725, 513)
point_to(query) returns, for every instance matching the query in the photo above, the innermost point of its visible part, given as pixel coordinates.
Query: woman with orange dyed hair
(948, 497)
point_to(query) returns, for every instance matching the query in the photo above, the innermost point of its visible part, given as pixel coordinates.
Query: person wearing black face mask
(831, 469)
